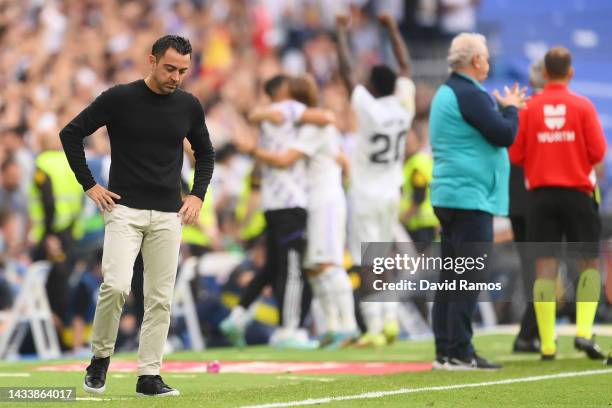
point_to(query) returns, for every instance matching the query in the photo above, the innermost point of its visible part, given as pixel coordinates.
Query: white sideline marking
(300, 378)
(104, 398)
(379, 394)
(15, 374)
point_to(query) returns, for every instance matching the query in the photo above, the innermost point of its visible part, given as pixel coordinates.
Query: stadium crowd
(61, 54)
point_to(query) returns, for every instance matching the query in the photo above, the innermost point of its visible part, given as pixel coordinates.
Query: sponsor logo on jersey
(554, 116)
(554, 119)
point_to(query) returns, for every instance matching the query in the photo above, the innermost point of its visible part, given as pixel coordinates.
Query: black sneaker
(154, 386)
(475, 362)
(548, 357)
(589, 346)
(95, 380)
(440, 363)
(526, 345)
(608, 360)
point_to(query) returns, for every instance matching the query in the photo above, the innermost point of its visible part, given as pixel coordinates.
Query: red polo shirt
(559, 140)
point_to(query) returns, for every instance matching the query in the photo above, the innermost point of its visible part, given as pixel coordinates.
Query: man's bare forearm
(400, 50)
(344, 59)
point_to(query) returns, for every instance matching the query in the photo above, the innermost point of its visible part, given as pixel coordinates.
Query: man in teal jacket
(469, 135)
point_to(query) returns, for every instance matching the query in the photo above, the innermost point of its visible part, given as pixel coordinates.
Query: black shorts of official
(556, 214)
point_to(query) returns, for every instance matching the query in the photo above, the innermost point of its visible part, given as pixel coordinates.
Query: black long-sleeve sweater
(146, 132)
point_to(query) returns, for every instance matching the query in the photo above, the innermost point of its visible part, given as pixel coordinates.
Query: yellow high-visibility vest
(418, 169)
(67, 192)
(256, 225)
(194, 234)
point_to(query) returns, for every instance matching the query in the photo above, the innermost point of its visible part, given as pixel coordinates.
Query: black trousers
(422, 238)
(463, 234)
(529, 324)
(285, 245)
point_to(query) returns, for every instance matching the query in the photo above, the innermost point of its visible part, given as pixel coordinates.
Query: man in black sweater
(147, 121)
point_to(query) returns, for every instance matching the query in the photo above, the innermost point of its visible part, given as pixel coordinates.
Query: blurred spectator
(15, 145)
(215, 302)
(6, 293)
(82, 303)
(458, 16)
(13, 199)
(416, 213)
(249, 215)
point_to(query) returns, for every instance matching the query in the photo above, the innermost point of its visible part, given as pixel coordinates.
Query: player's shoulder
(360, 95)
(405, 91)
(404, 84)
(364, 103)
(360, 91)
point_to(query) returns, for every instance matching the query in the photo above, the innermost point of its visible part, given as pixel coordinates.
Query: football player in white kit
(384, 109)
(326, 223)
(284, 201)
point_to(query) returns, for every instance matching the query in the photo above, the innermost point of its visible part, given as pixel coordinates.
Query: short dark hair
(176, 42)
(382, 80)
(272, 84)
(557, 62)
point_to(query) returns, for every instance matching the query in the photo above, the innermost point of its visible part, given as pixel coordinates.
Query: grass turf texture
(234, 390)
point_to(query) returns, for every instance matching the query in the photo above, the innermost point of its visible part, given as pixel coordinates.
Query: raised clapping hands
(103, 198)
(512, 97)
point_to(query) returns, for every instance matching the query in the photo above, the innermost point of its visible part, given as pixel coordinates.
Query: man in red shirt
(559, 141)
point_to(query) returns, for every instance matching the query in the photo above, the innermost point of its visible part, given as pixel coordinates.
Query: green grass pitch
(535, 388)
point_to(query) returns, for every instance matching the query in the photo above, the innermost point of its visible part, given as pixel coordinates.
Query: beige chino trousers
(127, 231)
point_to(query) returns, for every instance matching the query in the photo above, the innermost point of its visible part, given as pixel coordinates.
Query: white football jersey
(321, 145)
(283, 188)
(382, 126)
